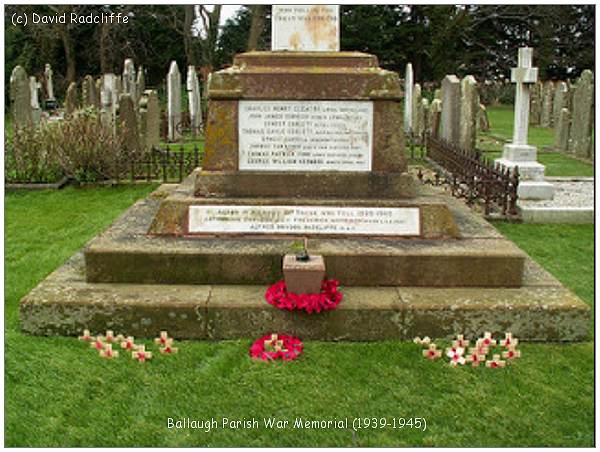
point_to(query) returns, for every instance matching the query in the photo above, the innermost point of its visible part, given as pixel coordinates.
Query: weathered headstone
(519, 153)
(547, 98)
(174, 102)
(435, 115)
(469, 108)
(561, 130)
(88, 91)
(560, 101)
(306, 28)
(98, 89)
(194, 101)
(536, 104)
(149, 120)
(36, 111)
(20, 96)
(128, 124)
(582, 116)
(408, 95)
(450, 120)
(129, 79)
(437, 94)
(71, 103)
(110, 86)
(424, 111)
(483, 119)
(107, 110)
(140, 81)
(49, 82)
(417, 113)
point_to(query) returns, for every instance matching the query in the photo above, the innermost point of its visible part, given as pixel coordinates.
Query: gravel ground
(567, 194)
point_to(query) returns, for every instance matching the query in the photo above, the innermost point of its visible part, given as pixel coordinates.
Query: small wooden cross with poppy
(108, 352)
(432, 352)
(141, 354)
(495, 362)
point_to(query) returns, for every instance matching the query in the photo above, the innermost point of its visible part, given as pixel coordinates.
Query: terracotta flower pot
(303, 276)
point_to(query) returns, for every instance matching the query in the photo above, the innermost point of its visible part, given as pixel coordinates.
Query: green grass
(60, 393)
(557, 164)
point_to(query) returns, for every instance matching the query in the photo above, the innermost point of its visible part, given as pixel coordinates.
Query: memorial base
(213, 288)
(531, 179)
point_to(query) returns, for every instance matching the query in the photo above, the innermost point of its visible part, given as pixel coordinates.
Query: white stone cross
(523, 76)
(518, 153)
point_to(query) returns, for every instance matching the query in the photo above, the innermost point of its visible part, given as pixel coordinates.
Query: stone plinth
(265, 97)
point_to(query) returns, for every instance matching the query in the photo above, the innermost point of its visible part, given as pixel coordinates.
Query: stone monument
(303, 146)
(519, 153)
(36, 111)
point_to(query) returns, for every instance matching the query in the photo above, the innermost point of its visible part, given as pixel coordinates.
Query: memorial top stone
(309, 28)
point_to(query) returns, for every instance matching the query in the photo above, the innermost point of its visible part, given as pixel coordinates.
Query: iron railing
(474, 177)
(168, 164)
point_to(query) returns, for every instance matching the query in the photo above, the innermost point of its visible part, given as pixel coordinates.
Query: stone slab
(277, 184)
(315, 220)
(126, 253)
(64, 304)
(306, 135)
(568, 215)
(311, 28)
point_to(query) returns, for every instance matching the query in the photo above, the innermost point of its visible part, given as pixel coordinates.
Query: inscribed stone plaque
(305, 28)
(305, 135)
(372, 221)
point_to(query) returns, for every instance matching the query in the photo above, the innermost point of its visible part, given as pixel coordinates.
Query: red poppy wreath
(326, 300)
(276, 346)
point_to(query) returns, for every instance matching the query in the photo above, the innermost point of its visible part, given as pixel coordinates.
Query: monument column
(519, 153)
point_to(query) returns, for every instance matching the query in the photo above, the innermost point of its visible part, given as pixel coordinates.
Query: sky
(228, 11)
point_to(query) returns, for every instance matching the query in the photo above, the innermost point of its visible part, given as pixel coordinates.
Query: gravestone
(450, 120)
(129, 80)
(536, 104)
(483, 119)
(417, 113)
(140, 81)
(437, 94)
(20, 97)
(48, 74)
(560, 101)
(561, 131)
(128, 125)
(88, 90)
(98, 90)
(36, 111)
(194, 101)
(582, 116)
(107, 110)
(424, 112)
(469, 109)
(519, 153)
(71, 102)
(149, 120)
(174, 102)
(111, 96)
(435, 116)
(306, 28)
(547, 98)
(408, 96)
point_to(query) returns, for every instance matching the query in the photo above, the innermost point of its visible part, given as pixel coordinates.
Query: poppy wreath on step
(276, 346)
(326, 300)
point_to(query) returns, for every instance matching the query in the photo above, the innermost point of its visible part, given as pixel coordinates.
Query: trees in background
(475, 39)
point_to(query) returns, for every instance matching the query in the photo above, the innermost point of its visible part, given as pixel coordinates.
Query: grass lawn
(557, 164)
(60, 393)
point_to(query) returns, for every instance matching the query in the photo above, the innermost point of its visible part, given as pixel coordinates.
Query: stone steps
(65, 304)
